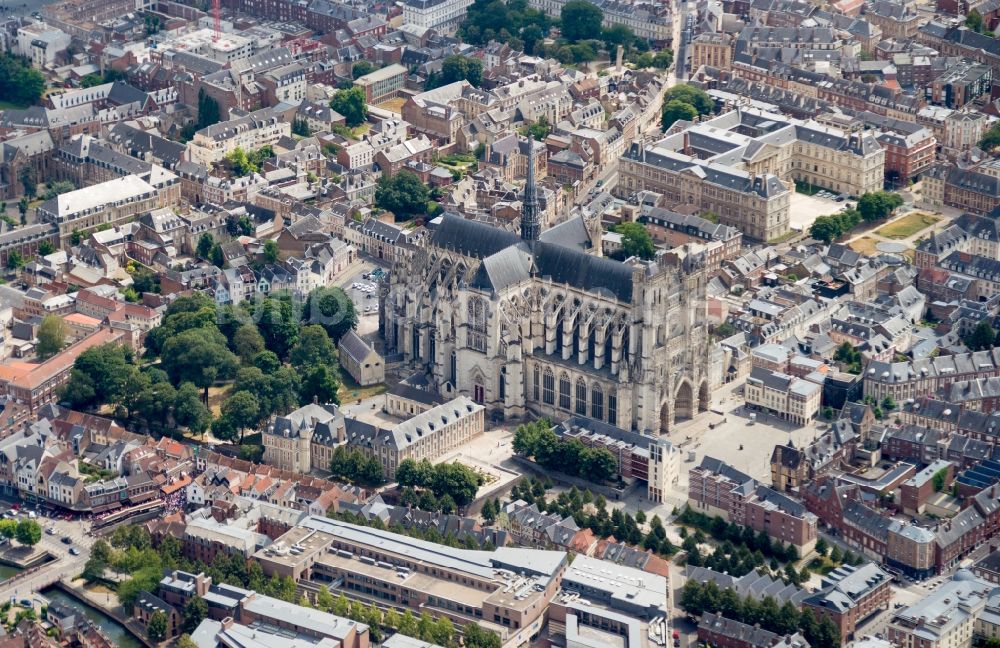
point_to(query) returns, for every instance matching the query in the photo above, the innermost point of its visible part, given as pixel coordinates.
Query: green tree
(241, 410)
(189, 410)
(208, 110)
(156, 629)
(974, 21)
(199, 356)
(206, 242)
(195, 611)
(271, 251)
(301, 128)
(331, 308)
(8, 528)
(185, 641)
(218, 257)
(362, 68)
(538, 130)
(691, 95)
(51, 336)
(313, 348)
(404, 194)
(14, 260)
(351, 104)
(28, 532)
(324, 600)
(636, 241)
(580, 20)
(320, 383)
(98, 376)
(457, 67)
(239, 163)
(982, 338)
(247, 342)
(278, 323)
(822, 547)
(991, 139)
(676, 110)
(46, 248)
(20, 84)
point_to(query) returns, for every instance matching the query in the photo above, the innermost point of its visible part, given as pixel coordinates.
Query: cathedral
(541, 325)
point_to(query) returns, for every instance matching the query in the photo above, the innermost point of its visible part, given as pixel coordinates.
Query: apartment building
(976, 190)
(261, 128)
(443, 16)
(794, 399)
(739, 165)
(716, 488)
(943, 618)
(712, 49)
(112, 203)
(35, 385)
(506, 590)
(926, 376)
(651, 459)
(850, 594)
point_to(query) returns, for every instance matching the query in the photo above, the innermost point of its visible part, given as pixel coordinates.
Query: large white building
(651, 21)
(441, 15)
(261, 128)
(40, 43)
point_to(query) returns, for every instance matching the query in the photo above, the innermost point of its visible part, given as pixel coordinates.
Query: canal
(115, 631)
(6, 571)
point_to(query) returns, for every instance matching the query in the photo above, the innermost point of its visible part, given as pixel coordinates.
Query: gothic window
(581, 398)
(454, 368)
(503, 384)
(597, 403)
(477, 324)
(564, 397)
(548, 387)
(612, 408)
(534, 384)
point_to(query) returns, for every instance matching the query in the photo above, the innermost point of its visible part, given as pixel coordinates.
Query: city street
(65, 565)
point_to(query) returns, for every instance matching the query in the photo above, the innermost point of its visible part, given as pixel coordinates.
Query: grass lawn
(784, 237)
(393, 105)
(806, 188)
(351, 391)
(7, 105)
(865, 245)
(907, 226)
(217, 394)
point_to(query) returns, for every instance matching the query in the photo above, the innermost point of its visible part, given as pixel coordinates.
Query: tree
(404, 194)
(8, 528)
(974, 21)
(28, 532)
(218, 257)
(676, 110)
(982, 338)
(362, 68)
(241, 409)
(822, 547)
(538, 130)
(321, 384)
(20, 84)
(278, 324)
(271, 251)
(691, 95)
(247, 342)
(580, 20)
(199, 356)
(351, 104)
(239, 163)
(51, 336)
(636, 241)
(313, 348)
(157, 626)
(324, 600)
(22, 207)
(185, 641)
(457, 67)
(991, 139)
(208, 110)
(57, 188)
(14, 260)
(98, 376)
(189, 410)
(876, 205)
(616, 35)
(195, 610)
(474, 636)
(301, 127)
(205, 244)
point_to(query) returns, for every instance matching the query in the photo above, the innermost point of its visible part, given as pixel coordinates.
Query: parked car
(73, 551)
(66, 540)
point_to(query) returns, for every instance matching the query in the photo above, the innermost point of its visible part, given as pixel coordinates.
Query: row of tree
(353, 465)
(698, 597)
(26, 531)
(736, 534)
(872, 207)
(568, 456)
(453, 484)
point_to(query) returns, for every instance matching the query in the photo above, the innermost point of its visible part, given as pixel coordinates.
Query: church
(541, 325)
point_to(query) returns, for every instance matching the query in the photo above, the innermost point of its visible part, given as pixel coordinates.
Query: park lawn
(864, 245)
(216, 395)
(351, 392)
(907, 226)
(7, 105)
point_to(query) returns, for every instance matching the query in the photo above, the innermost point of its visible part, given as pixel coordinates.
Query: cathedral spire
(531, 226)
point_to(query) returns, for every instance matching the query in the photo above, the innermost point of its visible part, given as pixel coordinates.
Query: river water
(115, 631)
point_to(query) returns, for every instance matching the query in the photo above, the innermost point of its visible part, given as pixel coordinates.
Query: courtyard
(908, 225)
(804, 210)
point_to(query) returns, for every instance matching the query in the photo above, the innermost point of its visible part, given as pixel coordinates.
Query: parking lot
(361, 287)
(805, 209)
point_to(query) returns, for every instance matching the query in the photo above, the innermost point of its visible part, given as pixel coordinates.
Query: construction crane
(216, 20)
